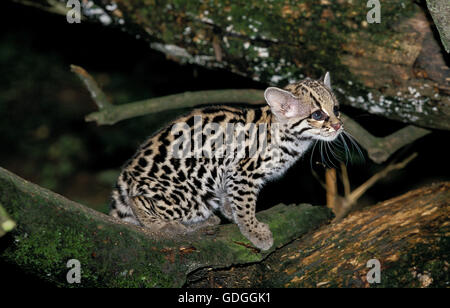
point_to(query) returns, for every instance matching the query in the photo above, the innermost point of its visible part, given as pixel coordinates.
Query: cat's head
(311, 100)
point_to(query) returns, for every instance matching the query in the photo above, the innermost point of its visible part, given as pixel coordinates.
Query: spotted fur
(166, 193)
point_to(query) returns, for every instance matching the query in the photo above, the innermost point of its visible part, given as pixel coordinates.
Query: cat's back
(172, 149)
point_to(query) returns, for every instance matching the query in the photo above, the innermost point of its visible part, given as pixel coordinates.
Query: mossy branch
(52, 230)
(118, 113)
(379, 149)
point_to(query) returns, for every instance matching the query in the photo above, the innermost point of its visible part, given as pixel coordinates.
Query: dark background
(43, 136)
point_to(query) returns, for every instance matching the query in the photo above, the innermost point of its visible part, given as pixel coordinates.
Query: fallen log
(409, 235)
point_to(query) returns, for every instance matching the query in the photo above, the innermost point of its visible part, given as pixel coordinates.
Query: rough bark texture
(52, 230)
(409, 235)
(394, 68)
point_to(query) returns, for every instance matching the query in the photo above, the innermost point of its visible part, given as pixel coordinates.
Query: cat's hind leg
(145, 211)
(211, 221)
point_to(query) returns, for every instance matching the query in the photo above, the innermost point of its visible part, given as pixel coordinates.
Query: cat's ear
(285, 105)
(326, 80)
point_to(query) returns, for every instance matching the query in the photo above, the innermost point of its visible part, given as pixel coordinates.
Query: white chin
(329, 137)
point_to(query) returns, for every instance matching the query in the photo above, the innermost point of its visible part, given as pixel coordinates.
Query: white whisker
(347, 151)
(327, 148)
(355, 145)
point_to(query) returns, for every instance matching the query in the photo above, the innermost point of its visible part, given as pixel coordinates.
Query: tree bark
(409, 235)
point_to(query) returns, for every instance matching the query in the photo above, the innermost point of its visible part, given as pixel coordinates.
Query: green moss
(48, 236)
(51, 259)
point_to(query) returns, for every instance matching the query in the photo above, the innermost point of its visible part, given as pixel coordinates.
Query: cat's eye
(336, 110)
(318, 115)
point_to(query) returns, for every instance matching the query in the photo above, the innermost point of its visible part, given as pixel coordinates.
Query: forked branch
(347, 203)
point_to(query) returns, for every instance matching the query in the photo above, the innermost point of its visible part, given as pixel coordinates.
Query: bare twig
(355, 194)
(331, 183)
(345, 180)
(352, 198)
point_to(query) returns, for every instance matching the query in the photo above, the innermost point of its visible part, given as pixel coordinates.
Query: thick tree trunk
(409, 235)
(395, 68)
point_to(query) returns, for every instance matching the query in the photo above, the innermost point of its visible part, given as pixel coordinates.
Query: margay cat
(168, 193)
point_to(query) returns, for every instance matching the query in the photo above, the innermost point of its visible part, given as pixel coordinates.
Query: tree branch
(97, 94)
(345, 179)
(331, 185)
(118, 113)
(380, 149)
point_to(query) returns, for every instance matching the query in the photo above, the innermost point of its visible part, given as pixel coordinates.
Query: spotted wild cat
(169, 187)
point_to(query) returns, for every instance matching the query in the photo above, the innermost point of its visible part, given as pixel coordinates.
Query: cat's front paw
(260, 236)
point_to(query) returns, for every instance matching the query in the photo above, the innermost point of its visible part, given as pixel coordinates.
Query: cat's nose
(336, 126)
